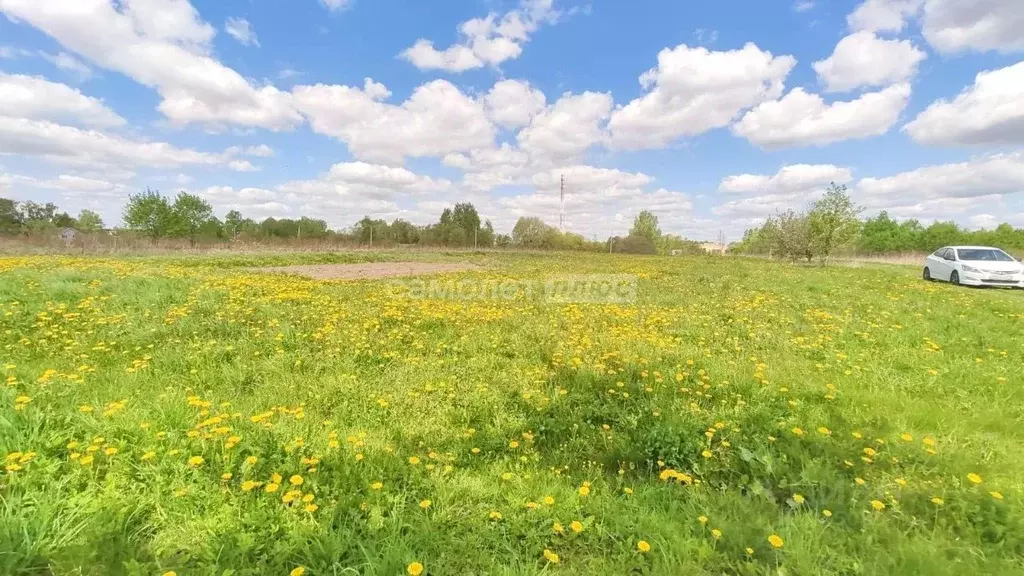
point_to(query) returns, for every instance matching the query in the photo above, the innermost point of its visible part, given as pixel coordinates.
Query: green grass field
(743, 417)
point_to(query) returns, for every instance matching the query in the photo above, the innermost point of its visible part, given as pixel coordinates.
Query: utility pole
(474, 237)
(721, 241)
(371, 235)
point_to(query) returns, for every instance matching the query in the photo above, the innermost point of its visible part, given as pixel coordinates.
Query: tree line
(152, 215)
(29, 217)
(833, 224)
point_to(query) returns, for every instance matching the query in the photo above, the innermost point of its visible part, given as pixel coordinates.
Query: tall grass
(742, 417)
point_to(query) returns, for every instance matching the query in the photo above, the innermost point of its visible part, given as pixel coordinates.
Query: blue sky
(713, 115)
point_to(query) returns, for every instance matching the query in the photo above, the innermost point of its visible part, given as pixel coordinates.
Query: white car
(974, 266)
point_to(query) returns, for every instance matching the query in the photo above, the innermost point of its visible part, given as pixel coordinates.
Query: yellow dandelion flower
(584, 490)
(826, 513)
(425, 504)
(627, 490)
(706, 454)
(643, 546)
(251, 461)
(248, 485)
(576, 526)
(276, 478)
(558, 528)
(110, 451)
(549, 500)
(716, 533)
(196, 461)
(414, 569)
(297, 571)
(475, 450)
(702, 519)
(295, 480)
(311, 508)
(974, 478)
(906, 437)
(550, 556)
(749, 551)
(824, 431)
(937, 501)
(494, 515)
(878, 505)
(775, 541)
(513, 444)
(859, 481)
(798, 498)
(272, 487)
(226, 476)
(414, 460)
(376, 486)
(996, 495)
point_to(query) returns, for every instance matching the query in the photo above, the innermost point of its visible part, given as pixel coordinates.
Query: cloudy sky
(711, 114)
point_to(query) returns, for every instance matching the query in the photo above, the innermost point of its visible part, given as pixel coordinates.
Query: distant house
(713, 247)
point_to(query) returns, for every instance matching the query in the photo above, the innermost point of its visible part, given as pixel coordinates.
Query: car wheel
(927, 274)
(954, 278)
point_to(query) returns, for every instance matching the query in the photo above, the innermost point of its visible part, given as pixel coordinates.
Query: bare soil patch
(368, 270)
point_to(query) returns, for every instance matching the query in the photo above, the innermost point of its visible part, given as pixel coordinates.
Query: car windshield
(976, 255)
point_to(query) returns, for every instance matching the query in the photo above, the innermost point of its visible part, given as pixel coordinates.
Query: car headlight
(971, 269)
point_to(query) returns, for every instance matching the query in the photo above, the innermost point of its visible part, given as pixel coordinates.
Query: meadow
(192, 416)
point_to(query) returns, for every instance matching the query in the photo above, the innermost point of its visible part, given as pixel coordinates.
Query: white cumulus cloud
(864, 59)
(487, 41)
(163, 44)
(693, 90)
(803, 119)
(37, 98)
(989, 112)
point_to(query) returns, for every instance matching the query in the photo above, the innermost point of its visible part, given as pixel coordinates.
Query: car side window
(951, 254)
(939, 253)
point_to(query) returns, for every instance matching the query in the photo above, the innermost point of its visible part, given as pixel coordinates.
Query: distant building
(713, 247)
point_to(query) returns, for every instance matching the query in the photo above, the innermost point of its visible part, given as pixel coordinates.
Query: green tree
(372, 230)
(10, 217)
(404, 232)
(940, 234)
(233, 223)
(40, 212)
(485, 237)
(646, 225)
(790, 234)
(833, 221)
(635, 244)
(465, 216)
(148, 213)
(64, 220)
(188, 215)
(530, 232)
(89, 221)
